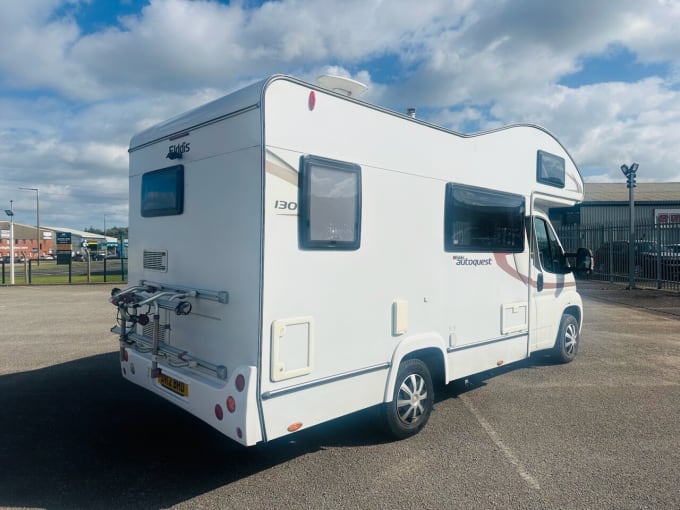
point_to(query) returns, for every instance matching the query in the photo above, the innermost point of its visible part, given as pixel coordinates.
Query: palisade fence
(49, 272)
(656, 252)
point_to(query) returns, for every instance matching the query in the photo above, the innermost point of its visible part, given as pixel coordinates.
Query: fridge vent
(156, 260)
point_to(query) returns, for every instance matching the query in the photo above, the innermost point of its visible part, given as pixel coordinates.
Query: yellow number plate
(179, 387)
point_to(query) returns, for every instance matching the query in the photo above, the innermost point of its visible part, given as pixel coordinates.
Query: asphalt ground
(601, 432)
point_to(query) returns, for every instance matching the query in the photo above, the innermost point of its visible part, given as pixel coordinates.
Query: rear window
(163, 192)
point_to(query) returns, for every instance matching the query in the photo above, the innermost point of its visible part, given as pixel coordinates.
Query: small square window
(550, 169)
(163, 192)
(330, 204)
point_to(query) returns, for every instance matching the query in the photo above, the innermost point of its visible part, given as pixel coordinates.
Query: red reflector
(239, 432)
(231, 404)
(125, 355)
(294, 426)
(311, 102)
(219, 414)
(240, 382)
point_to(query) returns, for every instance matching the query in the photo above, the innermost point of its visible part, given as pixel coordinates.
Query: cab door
(549, 277)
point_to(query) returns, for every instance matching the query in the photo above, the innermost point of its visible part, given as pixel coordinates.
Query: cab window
(548, 248)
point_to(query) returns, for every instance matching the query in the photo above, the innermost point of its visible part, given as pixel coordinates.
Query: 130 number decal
(285, 205)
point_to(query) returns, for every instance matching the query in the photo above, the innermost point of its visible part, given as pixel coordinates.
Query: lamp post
(631, 172)
(37, 216)
(106, 247)
(10, 213)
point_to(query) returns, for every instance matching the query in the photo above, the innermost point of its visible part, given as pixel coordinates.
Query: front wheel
(412, 400)
(566, 345)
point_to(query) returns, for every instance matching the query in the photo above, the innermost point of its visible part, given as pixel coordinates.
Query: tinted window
(330, 204)
(163, 192)
(550, 169)
(482, 220)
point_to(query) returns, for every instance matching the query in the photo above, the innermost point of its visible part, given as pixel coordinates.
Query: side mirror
(584, 262)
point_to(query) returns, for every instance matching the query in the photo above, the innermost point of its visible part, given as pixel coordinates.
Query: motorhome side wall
(329, 341)
(215, 244)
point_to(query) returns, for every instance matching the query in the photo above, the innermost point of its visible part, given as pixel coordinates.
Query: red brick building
(26, 241)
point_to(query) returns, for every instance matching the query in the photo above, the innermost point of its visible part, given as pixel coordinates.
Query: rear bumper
(217, 402)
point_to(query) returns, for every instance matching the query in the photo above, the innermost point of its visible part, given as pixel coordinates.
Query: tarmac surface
(602, 432)
(665, 302)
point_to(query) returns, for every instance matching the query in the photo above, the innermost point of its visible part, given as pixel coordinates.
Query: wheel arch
(576, 312)
(430, 349)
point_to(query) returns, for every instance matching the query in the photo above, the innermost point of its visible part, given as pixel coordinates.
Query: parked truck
(351, 257)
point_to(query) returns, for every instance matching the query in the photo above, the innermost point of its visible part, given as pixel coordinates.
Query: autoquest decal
(461, 260)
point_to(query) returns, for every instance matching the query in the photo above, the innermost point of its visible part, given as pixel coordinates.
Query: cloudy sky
(79, 77)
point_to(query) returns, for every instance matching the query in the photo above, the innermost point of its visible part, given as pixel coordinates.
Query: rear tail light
(231, 404)
(219, 414)
(240, 382)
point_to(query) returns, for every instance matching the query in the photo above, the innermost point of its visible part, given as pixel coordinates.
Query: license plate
(179, 387)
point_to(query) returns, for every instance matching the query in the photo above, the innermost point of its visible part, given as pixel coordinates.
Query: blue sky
(82, 76)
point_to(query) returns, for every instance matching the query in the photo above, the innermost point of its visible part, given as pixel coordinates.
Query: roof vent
(341, 85)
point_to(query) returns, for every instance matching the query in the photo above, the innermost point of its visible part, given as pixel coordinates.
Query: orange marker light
(294, 426)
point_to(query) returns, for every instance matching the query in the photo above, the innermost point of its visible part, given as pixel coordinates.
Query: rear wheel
(566, 345)
(412, 400)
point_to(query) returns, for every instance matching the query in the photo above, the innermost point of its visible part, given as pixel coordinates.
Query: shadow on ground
(77, 435)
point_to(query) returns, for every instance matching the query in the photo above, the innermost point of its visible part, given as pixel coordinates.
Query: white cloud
(72, 97)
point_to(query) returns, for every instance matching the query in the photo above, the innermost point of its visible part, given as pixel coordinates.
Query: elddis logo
(461, 260)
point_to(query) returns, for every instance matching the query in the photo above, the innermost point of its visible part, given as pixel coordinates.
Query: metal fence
(656, 251)
(49, 272)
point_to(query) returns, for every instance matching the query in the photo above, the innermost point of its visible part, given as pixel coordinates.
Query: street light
(10, 212)
(106, 245)
(37, 216)
(631, 172)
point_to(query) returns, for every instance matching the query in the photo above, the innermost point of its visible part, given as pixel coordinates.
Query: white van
(296, 255)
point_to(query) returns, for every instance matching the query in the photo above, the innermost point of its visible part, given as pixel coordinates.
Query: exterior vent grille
(148, 331)
(156, 260)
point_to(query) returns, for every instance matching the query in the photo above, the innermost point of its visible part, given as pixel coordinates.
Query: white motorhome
(297, 255)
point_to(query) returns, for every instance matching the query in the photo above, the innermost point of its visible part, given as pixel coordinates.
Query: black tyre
(412, 400)
(566, 345)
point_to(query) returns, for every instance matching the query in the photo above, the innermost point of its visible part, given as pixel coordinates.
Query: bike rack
(159, 297)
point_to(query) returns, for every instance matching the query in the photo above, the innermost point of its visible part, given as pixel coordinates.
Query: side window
(482, 220)
(163, 192)
(548, 248)
(330, 204)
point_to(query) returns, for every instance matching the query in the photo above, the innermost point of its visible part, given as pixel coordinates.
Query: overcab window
(550, 169)
(330, 204)
(163, 192)
(482, 220)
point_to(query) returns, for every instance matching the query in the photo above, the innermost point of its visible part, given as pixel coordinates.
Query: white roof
(240, 100)
(82, 233)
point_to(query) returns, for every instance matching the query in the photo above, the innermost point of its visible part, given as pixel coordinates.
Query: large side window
(549, 250)
(163, 192)
(483, 220)
(330, 204)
